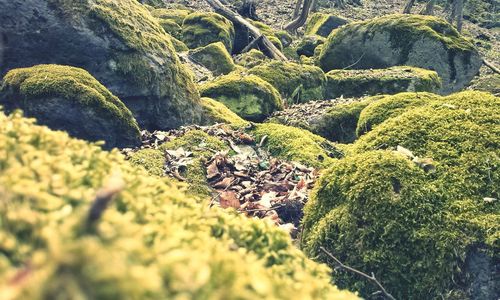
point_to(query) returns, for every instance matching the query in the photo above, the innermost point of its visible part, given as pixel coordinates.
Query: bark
(408, 6)
(300, 20)
(298, 6)
(459, 14)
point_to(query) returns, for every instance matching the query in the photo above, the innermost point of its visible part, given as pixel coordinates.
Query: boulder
(70, 99)
(308, 44)
(323, 24)
(356, 83)
(412, 40)
(214, 57)
(117, 41)
(251, 58)
(249, 96)
(216, 112)
(202, 28)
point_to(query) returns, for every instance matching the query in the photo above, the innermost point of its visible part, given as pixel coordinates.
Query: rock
(248, 96)
(356, 83)
(251, 58)
(202, 28)
(308, 44)
(242, 38)
(217, 112)
(296, 83)
(323, 24)
(285, 38)
(413, 40)
(70, 99)
(214, 57)
(117, 41)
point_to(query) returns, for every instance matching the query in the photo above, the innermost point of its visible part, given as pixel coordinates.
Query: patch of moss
(296, 83)
(308, 45)
(217, 112)
(295, 144)
(269, 33)
(152, 241)
(248, 96)
(179, 46)
(152, 160)
(50, 93)
(390, 106)
(251, 58)
(285, 38)
(175, 15)
(214, 57)
(355, 83)
(202, 28)
(322, 24)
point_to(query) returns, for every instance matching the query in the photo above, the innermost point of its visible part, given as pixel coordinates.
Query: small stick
(491, 66)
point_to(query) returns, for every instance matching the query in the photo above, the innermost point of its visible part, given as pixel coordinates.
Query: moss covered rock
(308, 45)
(242, 38)
(323, 24)
(118, 41)
(251, 58)
(171, 20)
(152, 241)
(249, 96)
(412, 40)
(216, 112)
(202, 28)
(355, 83)
(214, 57)
(296, 83)
(70, 99)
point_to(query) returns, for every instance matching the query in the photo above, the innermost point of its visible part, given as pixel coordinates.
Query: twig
(370, 278)
(252, 44)
(355, 63)
(491, 66)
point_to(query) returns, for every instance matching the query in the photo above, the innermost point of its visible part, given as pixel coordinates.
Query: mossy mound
(171, 20)
(390, 106)
(217, 112)
(251, 58)
(285, 38)
(308, 45)
(413, 40)
(202, 28)
(322, 24)
(296, 83)
(249, 96)
(355, 83)
(379, 212)
(70, 99)
(295, 144)
(151, 242)
(214, 57)
(153, 160)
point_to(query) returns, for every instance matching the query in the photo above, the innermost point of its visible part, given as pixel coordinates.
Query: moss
(269, 33)
(171, 28)
(377, 211)
(152, 241)
(65, 88)
(202, 28)
(285, 38)
(251, 58)
(355, 83)
(296, 83)
(248, 96)
(390, 106)
(295, 144)
(151, 159)
(217, 112)
(175, 15)
(179, 46)
(308, 44)
(323, 24)
(214, 57)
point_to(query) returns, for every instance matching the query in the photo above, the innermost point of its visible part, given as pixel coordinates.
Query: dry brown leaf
(229, 199)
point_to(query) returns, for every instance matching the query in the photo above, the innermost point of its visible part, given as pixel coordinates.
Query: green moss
(247, 95)
(308, 44)
(251, 58)
(175, 15)
(151, 159)
(285, 38)
(214, 57)
(322, 24)
(269, 33)
(296, 83)
(390, 106)
(29, 88)
(217, 112)
(295, 144)
(178, 45)
(487, 83)
(355, 83)
(203, 28)
(171, 28)
(152, 241)
(377, 211)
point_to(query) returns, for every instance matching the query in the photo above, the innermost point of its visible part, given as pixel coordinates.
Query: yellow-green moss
(214, 57)
(355, 83)
(26, 88)
(217, 112)
(322, 24)
(269, 33)
(152, 160)
(152, 242)
(248, 96)
(251, 58)
(295, 144)
(296, 83)
(203, 28)
(390, 106)
(175, 15)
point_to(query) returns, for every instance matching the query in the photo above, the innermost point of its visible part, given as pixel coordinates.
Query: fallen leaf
(228, 199)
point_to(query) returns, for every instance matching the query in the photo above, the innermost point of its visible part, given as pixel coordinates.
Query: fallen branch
(370, 278)
(491, 66)
(252, 45)
(268, 47)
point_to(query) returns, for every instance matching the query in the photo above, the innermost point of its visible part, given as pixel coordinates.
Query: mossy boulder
(295, 82)
(412, 40)
(242, 38)
(378, 111)
(323, 24)
(171, 20)
(285, 38)
(70, 99)
(203, 28)
(249, 96)
(379, 212)
(214, 57)
(119, 42)
(487, 83)
(308, 45)
(216, 112)
(355, 83)
(251, 58)
(151, 241)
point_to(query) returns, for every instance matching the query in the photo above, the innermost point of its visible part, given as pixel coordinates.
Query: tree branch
(491, 66)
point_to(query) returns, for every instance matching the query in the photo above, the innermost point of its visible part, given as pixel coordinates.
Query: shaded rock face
(323, 24)
(117, 41)
(419, 41)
